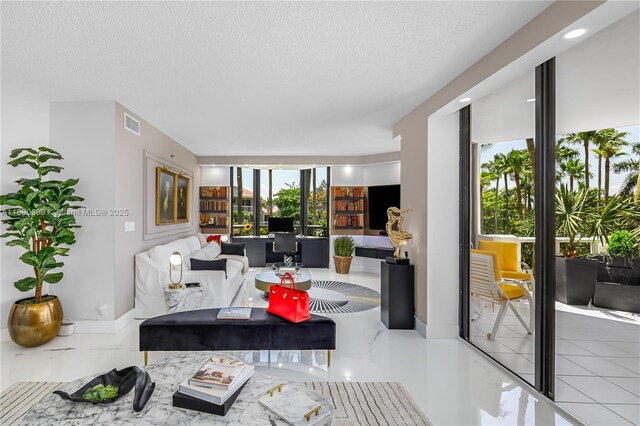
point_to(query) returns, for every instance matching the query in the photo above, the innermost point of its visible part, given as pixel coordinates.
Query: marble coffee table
(159, 410)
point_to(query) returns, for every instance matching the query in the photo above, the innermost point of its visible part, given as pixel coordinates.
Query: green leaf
(26, 284)
(48, 169)
(18, 151)
(43, 158)
(53, 278)
(18, 243)
(30, 258)
(47, 149)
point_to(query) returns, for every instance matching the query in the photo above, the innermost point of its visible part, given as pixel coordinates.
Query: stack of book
(215, 387)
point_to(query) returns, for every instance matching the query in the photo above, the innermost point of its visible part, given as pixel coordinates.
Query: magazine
(218, 371)
(218, 394)
(234, 313)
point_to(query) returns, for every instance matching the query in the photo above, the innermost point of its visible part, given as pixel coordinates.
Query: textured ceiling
(295, 78)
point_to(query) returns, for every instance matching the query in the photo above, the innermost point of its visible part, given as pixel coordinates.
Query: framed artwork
(165, 196)
(183, 196)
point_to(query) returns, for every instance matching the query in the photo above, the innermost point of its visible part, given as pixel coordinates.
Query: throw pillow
(233, 248)
(209, 265)
(216, 238)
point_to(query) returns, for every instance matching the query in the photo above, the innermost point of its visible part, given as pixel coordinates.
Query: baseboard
(105, 326)
(420, 327)
(442, 331)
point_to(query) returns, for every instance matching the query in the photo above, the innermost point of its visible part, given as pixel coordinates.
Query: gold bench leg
(329, 358)
(146, 358)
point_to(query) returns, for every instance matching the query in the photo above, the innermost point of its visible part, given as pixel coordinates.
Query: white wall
(215, 175)
(381, 174)
(347, 176)
(442, 227)
(83, 132)
(25, 123)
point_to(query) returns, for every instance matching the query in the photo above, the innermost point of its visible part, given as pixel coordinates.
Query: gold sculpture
(396, 233)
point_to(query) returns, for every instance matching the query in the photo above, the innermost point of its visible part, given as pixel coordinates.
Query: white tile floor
(451, 381)
(597, 359)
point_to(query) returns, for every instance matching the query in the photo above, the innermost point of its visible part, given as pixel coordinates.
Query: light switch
(129, 226)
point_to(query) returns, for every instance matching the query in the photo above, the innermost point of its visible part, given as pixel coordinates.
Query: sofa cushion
(160, 254)
(201, 238)
(193, 243)
(233, 248)
(208, 252)
(209, 265)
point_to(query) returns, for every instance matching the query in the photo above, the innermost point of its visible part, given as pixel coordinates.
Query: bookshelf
(348, 207)
(214, 209)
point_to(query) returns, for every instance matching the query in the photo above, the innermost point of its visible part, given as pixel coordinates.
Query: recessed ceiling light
(464, 99)
(574, 33)
(531, 100)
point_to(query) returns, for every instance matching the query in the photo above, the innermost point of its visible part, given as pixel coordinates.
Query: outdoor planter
(575, 280)
(617, 296)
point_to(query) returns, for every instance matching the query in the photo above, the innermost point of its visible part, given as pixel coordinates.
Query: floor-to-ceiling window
(317, 182)
(566, 192)
(598, 224)
(243, 204)
(503, 225)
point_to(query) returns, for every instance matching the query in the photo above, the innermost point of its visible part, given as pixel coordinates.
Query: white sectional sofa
(152, 275)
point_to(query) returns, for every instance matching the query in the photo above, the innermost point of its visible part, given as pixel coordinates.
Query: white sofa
(152, 275)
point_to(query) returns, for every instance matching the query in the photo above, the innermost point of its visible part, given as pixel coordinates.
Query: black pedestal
(397, 305)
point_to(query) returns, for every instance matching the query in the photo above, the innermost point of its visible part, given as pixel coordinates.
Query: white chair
(486, 282)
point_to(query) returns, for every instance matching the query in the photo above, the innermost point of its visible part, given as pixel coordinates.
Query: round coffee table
(268, 277)
(159, 410)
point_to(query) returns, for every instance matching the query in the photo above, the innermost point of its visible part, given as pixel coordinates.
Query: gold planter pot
(34, 325)
(343, 264)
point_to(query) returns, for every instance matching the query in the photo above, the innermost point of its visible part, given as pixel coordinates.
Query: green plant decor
(624, 244)
(39, 217)
(573, 209)
(343, 246)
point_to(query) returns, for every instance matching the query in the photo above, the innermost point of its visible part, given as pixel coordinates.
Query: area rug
(371, 403)
(337, 297)
(356, 403)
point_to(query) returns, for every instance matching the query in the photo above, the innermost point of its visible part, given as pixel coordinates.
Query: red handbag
(289, 303)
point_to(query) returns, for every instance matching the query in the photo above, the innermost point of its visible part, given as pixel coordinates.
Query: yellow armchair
(508, 258)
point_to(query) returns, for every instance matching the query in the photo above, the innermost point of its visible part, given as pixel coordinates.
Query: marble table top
(159, 410)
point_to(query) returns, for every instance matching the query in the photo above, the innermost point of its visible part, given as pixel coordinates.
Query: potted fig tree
(343, 248)
(38, 219)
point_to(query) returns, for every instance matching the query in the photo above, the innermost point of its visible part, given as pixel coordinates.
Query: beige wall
(413, 127)
(130, 184)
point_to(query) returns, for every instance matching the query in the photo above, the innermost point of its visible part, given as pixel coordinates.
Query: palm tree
(501, 163)
(631, 166)
(517, 163)
(573, 169)
(610, 146)
(494, 171)
(584, 138)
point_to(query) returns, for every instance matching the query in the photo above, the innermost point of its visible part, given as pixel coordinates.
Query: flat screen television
(280, 224)
(380, 198)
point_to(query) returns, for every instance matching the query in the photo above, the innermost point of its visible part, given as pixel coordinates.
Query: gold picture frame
(165, 196)
(182, 198)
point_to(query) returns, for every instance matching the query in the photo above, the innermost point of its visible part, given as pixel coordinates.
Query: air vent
(131, 124)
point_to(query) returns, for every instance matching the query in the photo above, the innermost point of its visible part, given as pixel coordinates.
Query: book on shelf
(293, 407)
(348, 221)
(216, 394)
(341, 191)
(213, 205)
(213, 191)
(349, 205)
(234, 313)
(219, 371)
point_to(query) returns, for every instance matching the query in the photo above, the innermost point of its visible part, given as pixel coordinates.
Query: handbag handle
(284, 279)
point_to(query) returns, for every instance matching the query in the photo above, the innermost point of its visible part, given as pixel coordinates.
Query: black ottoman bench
(200, 330)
